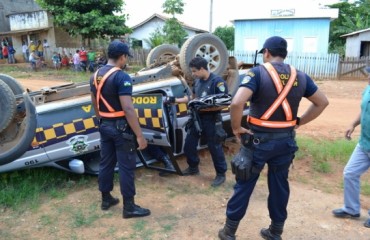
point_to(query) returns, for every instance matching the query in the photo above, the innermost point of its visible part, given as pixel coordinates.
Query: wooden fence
(318, 66)
(353, 68)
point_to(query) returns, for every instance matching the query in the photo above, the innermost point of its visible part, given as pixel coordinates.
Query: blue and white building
(306, 30)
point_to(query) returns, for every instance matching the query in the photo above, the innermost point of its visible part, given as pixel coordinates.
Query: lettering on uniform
(86, 108)
(221, 86)
(98, 79)
(284, 82)
(144, 100)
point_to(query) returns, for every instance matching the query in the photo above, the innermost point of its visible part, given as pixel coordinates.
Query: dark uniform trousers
(156, 151)
(112, 151)
(278, 154)
(208, 124)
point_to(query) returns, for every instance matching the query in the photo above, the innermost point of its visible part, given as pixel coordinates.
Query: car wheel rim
(211, 54)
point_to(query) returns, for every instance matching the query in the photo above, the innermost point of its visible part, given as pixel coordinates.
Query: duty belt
(259, 137)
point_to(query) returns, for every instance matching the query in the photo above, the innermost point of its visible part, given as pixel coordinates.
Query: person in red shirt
(5, 51)
(83, 59)
(65, 61)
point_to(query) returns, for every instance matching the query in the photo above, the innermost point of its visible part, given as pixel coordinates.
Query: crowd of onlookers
(34, 53)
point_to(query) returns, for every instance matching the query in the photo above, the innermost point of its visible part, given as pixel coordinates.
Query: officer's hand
(237, 132)
(141, 142)
(349, 133)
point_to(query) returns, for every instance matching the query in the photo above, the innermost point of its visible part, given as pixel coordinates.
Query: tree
(88, 18)
(352, 17)
(227, 35)
(156, 38)
(173, 30)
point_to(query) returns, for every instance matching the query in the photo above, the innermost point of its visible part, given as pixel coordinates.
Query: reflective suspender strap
(282, 91)
(281, 100)
(112, 113)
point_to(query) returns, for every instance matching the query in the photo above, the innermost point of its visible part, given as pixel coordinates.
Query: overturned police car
(57, 126)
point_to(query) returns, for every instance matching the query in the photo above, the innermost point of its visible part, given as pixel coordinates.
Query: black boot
(130, 209)
(167, 164)
(219, 179)
(273, 232)
(191, 171)
(229, 230)
(108, 201)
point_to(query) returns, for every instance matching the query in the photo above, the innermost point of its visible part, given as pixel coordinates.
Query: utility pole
(210, 16)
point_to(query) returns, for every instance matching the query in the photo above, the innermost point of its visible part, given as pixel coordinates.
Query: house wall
(353, 44)
(303, 35)
(143, 32)
(13, 6)
(29, 20)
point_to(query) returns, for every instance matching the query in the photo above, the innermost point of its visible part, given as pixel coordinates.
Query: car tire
(162, 53)
(208, 46)
(14, 85)
(7, 105)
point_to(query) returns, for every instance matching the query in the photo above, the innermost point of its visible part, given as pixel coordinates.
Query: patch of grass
(25, 188)
(46, 220)
(80, 219)
(324, 152)
(141, 231)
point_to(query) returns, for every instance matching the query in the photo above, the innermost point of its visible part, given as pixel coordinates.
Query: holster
(127, 134)
(242, 164)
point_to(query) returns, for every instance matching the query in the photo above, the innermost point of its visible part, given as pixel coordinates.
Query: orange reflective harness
(99, 85)
(280, 101)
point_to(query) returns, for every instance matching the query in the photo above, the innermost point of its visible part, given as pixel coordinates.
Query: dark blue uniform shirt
(118, 84)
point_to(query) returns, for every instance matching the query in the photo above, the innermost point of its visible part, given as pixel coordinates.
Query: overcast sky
(197, 12)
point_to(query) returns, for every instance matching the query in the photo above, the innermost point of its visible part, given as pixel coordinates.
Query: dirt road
(188, 208)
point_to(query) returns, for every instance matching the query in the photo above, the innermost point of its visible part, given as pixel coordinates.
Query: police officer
(111, 91)
(275, 90)
(206, 83)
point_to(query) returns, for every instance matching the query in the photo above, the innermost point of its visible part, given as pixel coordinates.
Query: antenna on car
(255, 59)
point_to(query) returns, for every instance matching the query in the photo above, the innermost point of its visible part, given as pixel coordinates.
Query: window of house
(310, 44)
(251, 44)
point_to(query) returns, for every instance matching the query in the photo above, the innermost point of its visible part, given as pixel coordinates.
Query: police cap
(275, 43)
(117, 48)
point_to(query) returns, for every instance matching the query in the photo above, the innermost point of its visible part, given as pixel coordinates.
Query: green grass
(23, 71)
(26, 187)
(324, 153)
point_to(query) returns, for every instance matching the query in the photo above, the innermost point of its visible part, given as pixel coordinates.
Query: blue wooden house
(306, 30)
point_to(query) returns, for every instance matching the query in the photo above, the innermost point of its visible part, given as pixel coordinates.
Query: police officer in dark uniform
(120, 133)
(274, 90)
(206, 83)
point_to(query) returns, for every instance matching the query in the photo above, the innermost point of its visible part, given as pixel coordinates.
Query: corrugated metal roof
(354, 33)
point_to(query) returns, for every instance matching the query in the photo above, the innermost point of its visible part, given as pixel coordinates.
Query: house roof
(156, 15)
(354, 33)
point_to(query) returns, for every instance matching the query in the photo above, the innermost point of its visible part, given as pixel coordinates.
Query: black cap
(117, 48)
(275, 42)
